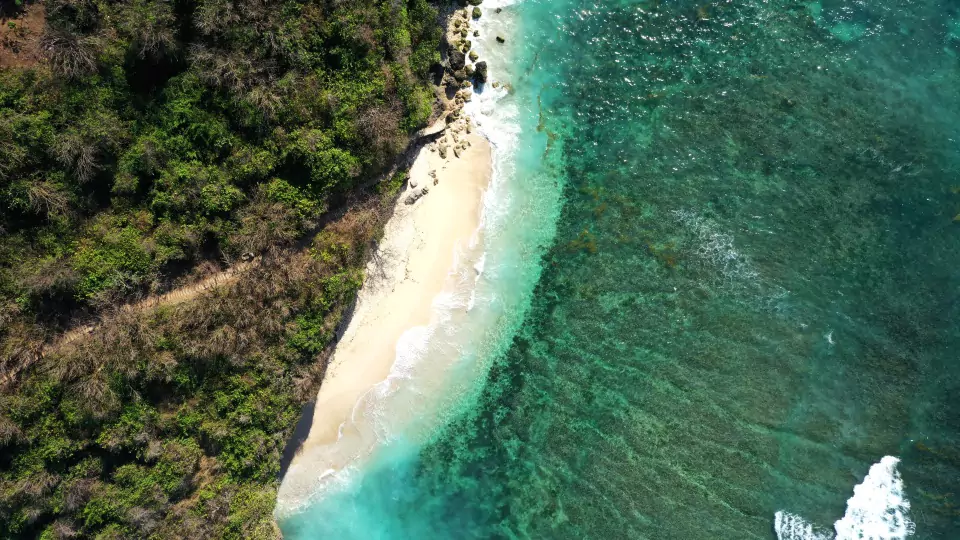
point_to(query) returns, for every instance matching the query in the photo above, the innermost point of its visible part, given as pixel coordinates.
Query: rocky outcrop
(416, 195)
(456, 59)
(480, 72)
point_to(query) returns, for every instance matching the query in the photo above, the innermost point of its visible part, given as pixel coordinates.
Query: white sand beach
(413, 264)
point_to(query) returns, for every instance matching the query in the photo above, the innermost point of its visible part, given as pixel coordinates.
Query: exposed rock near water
(457, 79)
(480, 72)
(456, 59)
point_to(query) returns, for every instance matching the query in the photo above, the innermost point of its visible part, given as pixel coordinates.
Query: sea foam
(878, 510)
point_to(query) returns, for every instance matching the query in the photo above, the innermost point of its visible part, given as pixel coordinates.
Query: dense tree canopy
(155, 125)
(156, 138)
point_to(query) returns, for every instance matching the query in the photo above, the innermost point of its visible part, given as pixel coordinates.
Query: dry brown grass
(46, 198)
(380, 125)
(70, 56)
(236, 314)
(72, 150)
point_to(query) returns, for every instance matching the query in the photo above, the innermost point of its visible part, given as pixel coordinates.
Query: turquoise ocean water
(742, 288)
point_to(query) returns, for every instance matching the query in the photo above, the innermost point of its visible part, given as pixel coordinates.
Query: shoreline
(428, 255)
(424, 243)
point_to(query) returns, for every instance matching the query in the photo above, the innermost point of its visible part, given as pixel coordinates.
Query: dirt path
(172, 298)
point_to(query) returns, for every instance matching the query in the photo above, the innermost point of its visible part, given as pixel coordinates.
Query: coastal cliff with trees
(145, 147)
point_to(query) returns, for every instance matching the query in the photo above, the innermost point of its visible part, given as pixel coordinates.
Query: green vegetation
(156, 140)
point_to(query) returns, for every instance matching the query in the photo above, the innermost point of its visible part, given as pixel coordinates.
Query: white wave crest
(793, 527)
(878, 510)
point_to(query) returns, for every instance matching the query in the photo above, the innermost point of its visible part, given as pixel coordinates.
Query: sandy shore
(413, 264)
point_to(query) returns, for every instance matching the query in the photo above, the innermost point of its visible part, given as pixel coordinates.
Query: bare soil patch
(20, 31)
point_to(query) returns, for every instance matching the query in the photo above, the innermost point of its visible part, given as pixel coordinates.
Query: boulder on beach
(456, 58)
(413, 197)
(501, 40)
(477, 13)
(416, 195)
(474, 56)
(480, 72)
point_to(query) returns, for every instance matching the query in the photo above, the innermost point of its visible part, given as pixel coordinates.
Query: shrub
(116, 259)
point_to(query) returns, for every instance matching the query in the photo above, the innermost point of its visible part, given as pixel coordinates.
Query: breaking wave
(878, 510)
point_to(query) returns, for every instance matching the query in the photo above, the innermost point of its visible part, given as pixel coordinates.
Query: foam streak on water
(878, 510)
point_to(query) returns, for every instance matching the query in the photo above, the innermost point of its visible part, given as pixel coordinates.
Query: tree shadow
(296, 440)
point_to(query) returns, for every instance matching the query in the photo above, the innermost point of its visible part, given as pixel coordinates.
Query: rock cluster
(457, 70)
(480, 72)
(456, 77)
(416, 195)
(456, 59)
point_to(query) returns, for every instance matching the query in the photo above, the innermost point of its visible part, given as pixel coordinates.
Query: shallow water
(751, 295)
